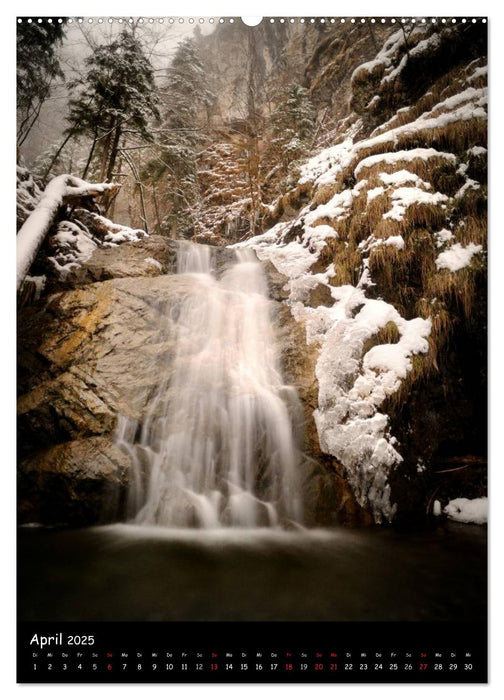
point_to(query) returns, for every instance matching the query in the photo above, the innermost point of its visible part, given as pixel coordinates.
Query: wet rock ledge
(97, 347)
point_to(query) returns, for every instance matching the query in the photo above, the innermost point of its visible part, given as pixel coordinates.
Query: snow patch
(154, 263)
(442, 237)
(39, 282)
(477, 151)
(468, 185)
(373, 242)
(336, 208)
(428, 44)
(373, 193)
(32, 233)
(400, 177)
(404, 197)
(28, 193)
(390, 77)
(396, 241)
(450, 103)
(351, 388)
(465, 510)
(332, 158)
(431, 120)
(324, 167)
(394, 360)
(73, 245)
(119, 233)
(383, 58)
(457, 257)
(402, 156)
(478, 73)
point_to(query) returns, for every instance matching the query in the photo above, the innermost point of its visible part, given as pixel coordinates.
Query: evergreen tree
(37, 68)
(116, 94)
(185, 97)
(52, 159)
(293, 126)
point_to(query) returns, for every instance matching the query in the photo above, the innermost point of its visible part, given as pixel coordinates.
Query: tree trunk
(56, 156)
(113, 153)
(60, 191)
(140, 189)
(156, 209)
(90, 156)
(106, 150)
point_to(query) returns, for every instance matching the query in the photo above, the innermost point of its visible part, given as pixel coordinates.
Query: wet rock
(224, 258)
(76, 483)
(329, 499)
(277, 282)
(320, 296)
(91, 353)
(298, 363)
(149, 257)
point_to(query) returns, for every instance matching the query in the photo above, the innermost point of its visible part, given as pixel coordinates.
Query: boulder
(80, 482)
(148, 257)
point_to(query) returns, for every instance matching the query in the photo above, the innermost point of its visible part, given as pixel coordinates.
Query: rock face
(147, 258)
(86, 355)
(80, 482)
(98, 350)
(327, 491)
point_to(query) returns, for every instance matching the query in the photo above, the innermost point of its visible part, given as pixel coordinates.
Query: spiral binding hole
(254, 21)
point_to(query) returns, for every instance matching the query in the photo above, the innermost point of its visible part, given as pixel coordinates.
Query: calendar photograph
(252, 349)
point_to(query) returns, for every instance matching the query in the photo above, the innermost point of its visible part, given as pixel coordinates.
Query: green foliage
(288, 135)
(185, 93)
(293, 125)
(37, 67)
(185, 96)
(119, 84)
(56, 160)
(116, 93)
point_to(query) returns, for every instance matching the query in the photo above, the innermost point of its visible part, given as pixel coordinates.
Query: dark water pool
(124, 572)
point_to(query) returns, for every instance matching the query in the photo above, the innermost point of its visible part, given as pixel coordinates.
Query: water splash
(217, 447)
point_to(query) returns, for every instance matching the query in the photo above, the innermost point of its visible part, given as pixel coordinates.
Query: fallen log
(62, 190)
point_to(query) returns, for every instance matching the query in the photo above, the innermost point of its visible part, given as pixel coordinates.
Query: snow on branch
(61, 190)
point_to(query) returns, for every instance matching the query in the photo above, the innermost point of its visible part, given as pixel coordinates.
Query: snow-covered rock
(465, 510)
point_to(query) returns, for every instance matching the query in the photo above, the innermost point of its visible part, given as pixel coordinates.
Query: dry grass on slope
(408, 276)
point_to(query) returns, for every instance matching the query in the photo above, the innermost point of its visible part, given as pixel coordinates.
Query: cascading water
(217, 448)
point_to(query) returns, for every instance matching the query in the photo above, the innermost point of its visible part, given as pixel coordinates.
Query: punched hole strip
(271, 20)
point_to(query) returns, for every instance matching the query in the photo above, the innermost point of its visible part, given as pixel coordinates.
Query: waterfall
(217, 447)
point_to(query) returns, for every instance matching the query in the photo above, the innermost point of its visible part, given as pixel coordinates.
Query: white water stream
(217, 447)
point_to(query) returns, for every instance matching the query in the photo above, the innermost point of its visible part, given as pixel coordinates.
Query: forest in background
(204, 131)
